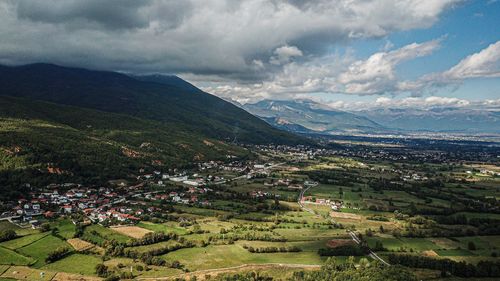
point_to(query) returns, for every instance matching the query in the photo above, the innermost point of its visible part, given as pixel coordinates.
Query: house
(191, 182)
(178, 179)
(49, 214)
(67, 208)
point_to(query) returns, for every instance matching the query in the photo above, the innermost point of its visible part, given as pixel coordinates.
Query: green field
(40, 249)
(10, 257)
(75, 263)
(233, 255)
(164, 227)
(454, 252)
(104, 234)
(146, 248)
(23, 241)
(66, 228)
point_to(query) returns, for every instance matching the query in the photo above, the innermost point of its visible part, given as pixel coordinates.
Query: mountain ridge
(310, 115)
(119, 93)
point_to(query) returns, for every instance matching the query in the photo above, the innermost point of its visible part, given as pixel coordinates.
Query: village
(123, 203)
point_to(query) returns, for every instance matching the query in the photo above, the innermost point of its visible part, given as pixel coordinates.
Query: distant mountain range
(309, 116)
(306, 116)
(441, 119)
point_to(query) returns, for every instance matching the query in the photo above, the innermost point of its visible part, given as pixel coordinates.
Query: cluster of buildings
(336, 205)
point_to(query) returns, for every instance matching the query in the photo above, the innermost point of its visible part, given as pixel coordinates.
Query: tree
(381, 229)
(7, 234)
(101, 270)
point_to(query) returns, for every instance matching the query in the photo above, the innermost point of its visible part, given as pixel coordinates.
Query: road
(301, 196)
(353, 235)
(372, 254)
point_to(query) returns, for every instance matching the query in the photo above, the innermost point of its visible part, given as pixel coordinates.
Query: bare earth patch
(208, 143)
(79, 244)
(345, 216)
(430, 253)
(339, 242)
(132, 231)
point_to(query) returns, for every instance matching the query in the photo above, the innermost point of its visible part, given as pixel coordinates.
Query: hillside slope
(175, 105)
(42, 142)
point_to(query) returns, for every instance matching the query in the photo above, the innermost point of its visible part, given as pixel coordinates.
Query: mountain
(306, 116)
(170, 80)
(169, 100)
(60, 124)
(443, 119)
(42, 143)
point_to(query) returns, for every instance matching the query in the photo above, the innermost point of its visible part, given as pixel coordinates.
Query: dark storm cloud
(109, 14)
(114, 14)
(246, 42)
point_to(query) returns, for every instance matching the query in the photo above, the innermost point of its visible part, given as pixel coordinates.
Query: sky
(348, 54)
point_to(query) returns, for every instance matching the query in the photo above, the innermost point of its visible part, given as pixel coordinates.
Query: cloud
(334, 73)
(116, 14)
(377, 74)
(416, 103)
(483, 64)
(284, 54)
(224, 39)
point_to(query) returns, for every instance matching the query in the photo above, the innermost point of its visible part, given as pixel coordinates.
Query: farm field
(40, 249)
(8, 257)
(132, 231)
(23, 241)
(233, 255)
(75, 263)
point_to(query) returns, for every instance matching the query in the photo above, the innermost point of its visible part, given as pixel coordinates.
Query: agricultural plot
(233, 255)
(99, 234)
(40, 249)
(26, 273)
(75, 263)
(132, 231)
(23, 241)
(9, 257)
(65, 228)
(160, 245)
(200, 211)
(79, 244)
(164, 227)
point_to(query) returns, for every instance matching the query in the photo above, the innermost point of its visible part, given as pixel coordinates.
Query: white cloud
(416, 103)
(485, 63)
(377, 74)
(284, 54)
(333, 73)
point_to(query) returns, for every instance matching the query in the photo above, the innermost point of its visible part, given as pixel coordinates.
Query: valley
(286, 213)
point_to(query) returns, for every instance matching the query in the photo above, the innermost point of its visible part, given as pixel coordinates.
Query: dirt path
(200, 274)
